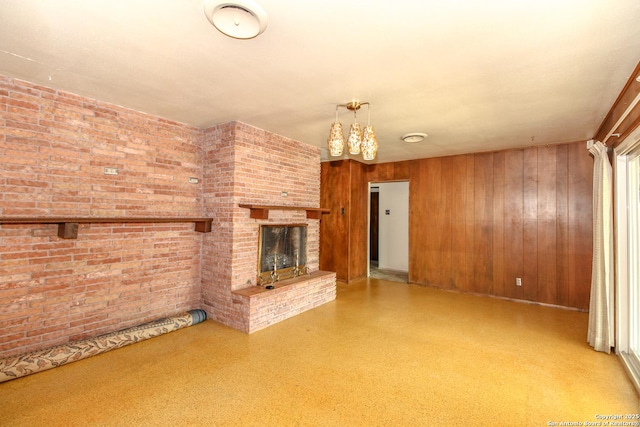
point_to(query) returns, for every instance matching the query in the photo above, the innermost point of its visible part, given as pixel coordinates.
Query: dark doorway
(373, 226)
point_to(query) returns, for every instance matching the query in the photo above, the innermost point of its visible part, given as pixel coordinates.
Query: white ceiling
(476, 75)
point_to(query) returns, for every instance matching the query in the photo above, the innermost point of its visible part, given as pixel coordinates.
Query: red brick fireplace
(245, 166)
(56, 149)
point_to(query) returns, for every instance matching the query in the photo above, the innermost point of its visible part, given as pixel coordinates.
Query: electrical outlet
(518, 281)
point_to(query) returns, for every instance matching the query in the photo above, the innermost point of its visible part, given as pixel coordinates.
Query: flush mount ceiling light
(414, 137)
(240, 19)
(359, 141)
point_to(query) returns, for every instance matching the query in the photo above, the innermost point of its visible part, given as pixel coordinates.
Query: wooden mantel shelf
(262, 212)
(68, 226)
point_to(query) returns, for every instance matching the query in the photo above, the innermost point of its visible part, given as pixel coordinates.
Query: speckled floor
(383, 354)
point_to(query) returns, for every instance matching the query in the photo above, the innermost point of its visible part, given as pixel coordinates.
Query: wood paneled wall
(381, 172)
(344, 236)
(358, 222)
(335, 184)
(477, 221)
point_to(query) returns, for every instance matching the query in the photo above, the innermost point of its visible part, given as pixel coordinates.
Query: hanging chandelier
(358, 141)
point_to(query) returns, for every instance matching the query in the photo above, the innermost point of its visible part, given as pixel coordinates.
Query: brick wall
(255, 166)
(54, 147)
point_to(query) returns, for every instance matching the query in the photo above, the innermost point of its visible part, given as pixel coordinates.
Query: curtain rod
(621, 119)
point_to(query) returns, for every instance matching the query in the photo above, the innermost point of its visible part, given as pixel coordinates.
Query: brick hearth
(264, 307)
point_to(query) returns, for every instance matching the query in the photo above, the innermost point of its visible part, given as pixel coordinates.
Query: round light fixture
(414, 137)
(240, 19)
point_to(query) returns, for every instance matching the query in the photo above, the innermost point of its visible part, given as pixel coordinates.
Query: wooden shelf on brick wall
(262, 212)
(68, 227)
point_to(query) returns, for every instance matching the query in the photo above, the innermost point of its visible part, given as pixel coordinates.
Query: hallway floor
(384, 353)
(383, 274)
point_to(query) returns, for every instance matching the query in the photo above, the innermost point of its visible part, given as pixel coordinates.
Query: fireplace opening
(282, 252)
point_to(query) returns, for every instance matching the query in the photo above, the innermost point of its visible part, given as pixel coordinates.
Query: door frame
(370, 185)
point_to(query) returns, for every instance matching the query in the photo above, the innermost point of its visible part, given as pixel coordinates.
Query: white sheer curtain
(600, 333)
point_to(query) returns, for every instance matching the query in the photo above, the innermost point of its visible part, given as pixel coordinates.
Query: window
(633, 208)
(627, 169)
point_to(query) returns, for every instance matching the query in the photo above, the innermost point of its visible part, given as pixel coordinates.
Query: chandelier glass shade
(355, 138)
(357, 141)
(336, 140)
(369, 146)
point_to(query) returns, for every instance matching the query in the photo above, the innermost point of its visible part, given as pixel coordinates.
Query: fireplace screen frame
(294, 266)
